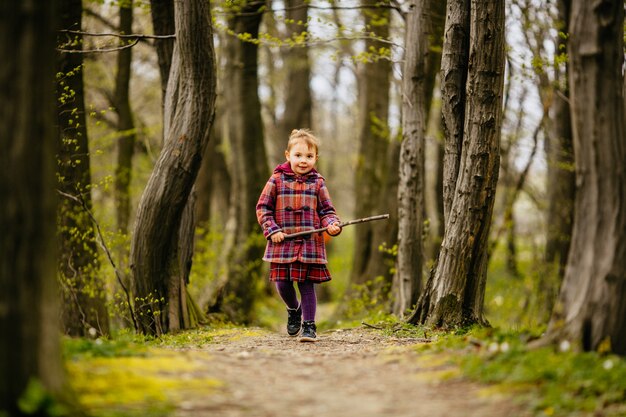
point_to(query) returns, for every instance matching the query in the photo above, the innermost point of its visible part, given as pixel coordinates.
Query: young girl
(296, 199)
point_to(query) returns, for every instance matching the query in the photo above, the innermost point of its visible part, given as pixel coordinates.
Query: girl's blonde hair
(304, 135)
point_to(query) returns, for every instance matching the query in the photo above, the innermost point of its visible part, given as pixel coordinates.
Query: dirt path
(353, 372)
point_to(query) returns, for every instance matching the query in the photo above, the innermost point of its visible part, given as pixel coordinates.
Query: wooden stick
(348, 223)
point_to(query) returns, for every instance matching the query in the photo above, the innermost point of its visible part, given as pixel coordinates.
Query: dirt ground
(348, 372)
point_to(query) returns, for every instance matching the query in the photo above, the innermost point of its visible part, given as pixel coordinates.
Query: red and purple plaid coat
(293, 203)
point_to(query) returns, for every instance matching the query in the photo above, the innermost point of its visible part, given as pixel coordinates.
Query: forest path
(347, 372)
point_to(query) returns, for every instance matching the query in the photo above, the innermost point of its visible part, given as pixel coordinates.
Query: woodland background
(168, 125)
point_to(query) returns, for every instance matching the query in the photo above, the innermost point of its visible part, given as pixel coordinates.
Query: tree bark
(454, 293)
(250, 169)
(29, 326)
(189, 112)
(125, 124)
(298, 102)
(454, 61)
(84, 292)
(372, 168)
(407, 280)
(592, 303)
(163, 23)
(561, 186)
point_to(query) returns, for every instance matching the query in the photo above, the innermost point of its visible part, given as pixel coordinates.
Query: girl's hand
(277, 237)
(333, 229)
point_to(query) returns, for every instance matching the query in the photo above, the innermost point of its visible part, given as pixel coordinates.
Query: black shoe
(308, 332)
(294, 321)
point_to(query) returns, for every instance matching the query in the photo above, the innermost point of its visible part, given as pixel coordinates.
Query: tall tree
(421, 63)
(163, 24)
(298, 101)
(375, 151)
(127, 135)
(84, 293)
(592, 303)
(411, 185)
(454, 292)
(249, 160)
(560, 156)
(189, 112)
(29, 328)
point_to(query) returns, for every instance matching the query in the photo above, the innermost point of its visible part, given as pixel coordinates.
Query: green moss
(140, 385)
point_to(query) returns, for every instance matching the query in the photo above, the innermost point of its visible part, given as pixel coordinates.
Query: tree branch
(104, 247)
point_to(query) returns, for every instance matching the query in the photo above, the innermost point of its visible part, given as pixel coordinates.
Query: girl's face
(301, 157)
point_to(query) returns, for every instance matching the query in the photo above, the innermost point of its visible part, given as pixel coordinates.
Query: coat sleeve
(325, 208)
(265, 209)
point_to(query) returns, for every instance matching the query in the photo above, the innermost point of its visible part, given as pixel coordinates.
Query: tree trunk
(29, 326)
(454, 61)
(407, 280)
(125, 124)
(84, 292)
(561, 188)
(424, 26)
(592, 304)
(372, 167)
(162, 12)
(250, 169)
(298, 102)
(189, 112)
(454, 293)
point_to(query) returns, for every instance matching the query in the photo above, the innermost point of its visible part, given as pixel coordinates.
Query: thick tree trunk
(189, 112)
(84, 293)
(454, 63)
(592, 304)
(424, 26)
(29, 327)
(407, 280)
(454, 293)
(298, 102)
(372, 168)
(250, 169)
(125, 124)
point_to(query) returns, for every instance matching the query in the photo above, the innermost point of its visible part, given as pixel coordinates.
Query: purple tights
(307, 297)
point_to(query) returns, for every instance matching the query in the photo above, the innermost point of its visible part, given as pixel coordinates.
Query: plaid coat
(293, 203)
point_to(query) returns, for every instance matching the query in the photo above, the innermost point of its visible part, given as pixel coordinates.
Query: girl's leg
(287, 293)
(308, 300)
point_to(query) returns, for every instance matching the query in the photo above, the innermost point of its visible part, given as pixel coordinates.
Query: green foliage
(134, 375)
(517, 302)
(368, 299)
(36, 400)
(125, 343)
(556, 383)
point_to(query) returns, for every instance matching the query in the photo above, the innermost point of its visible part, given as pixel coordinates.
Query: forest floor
(253, 372)
(348, 372)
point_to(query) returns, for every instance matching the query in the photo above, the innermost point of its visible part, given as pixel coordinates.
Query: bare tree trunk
(407, 281)
(561, 188)
(162, 12)
(424, 30)
(454, 293)
(83, 290)
(250, 169)
(454, 61)
(374, 144)
(125, 124)
(29, 326)
(298, 102)
(592, 304)
(189, 112)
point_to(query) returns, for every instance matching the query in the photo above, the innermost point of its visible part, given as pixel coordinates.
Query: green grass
(547, 381)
